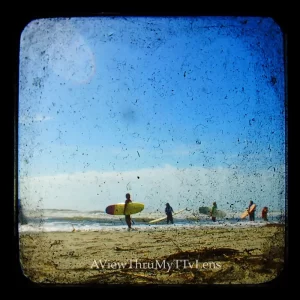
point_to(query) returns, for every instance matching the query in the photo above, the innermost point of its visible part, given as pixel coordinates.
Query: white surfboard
(163, 218)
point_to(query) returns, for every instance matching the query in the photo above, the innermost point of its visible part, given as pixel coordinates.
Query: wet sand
(186, 256)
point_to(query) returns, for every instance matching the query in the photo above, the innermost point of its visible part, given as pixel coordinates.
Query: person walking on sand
(127, 217)
(169, 212)
(252, 213)
(213, 212)
(264, 213)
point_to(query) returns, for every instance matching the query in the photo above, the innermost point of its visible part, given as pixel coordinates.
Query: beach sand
(201, 255)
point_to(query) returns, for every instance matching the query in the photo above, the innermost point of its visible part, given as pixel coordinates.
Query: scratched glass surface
(181, 109)
(184, 110)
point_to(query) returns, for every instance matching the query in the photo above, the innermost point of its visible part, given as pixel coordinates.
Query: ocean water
(51, 220)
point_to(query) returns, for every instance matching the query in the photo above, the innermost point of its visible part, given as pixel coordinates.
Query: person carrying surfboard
(213, 212)
(251, 211)
(169, 212)
(127, 217)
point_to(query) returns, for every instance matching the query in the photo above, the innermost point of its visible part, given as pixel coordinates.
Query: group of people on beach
(213, 212)
(251, 212)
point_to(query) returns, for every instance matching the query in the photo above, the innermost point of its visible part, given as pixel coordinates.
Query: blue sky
(181, 109)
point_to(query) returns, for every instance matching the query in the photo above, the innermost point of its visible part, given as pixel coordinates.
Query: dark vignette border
(17, 24)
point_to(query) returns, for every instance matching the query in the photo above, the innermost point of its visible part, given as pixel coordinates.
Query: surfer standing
(169, 211)
(214, 212)
(127, 217)
(264, 213)
(252, 213)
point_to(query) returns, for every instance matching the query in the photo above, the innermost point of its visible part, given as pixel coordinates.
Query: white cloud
(39, 118)
(25, 120)
(191, 187)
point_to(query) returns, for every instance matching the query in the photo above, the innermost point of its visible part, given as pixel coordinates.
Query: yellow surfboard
(163, 218)
(246, 212)
(118, 209)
